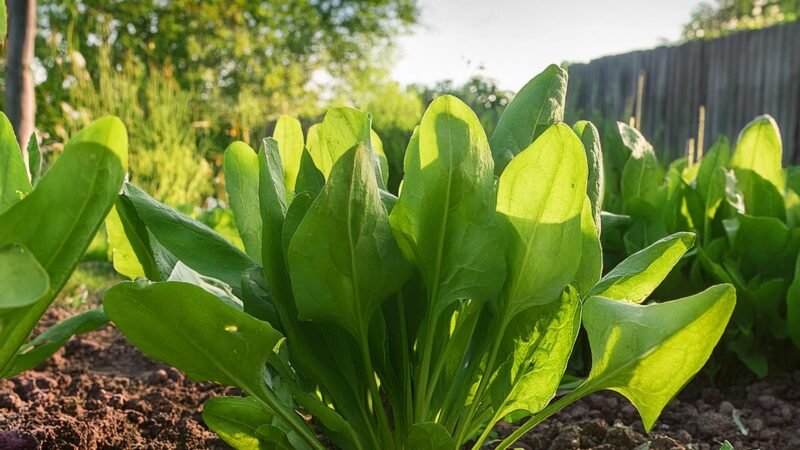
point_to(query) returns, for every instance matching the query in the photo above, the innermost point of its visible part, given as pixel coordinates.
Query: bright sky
(513, 40)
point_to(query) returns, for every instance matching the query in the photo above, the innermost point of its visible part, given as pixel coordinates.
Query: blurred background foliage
(190, 77)
(712, 20)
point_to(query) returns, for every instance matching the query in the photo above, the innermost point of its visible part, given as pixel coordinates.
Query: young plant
(45, 228)
(417, 321)
(746, 216)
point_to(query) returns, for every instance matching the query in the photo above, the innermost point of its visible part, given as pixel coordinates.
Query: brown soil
(100, 393)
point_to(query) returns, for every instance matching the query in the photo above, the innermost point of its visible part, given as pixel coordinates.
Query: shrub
(746, 215)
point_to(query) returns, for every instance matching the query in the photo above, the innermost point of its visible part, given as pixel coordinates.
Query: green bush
(746, 215)
(417, 321)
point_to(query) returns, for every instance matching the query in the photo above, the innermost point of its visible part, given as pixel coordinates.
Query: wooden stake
(701, 130)
(639, 95)
(690, 152)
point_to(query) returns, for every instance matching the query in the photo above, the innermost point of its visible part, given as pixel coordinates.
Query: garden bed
(100, 393)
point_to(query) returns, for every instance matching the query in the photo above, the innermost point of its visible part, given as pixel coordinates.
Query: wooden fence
(734, 79)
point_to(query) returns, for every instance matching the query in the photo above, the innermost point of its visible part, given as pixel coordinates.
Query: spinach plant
(744, 207)
(414, 321)
(46, 224)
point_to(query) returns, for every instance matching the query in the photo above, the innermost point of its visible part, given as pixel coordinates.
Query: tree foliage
(727, 16)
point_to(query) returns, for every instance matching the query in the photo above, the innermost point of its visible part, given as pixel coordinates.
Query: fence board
(736, 78)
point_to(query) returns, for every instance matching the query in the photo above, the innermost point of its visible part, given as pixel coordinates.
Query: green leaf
(638, 354)
(272, 194)
(44, 345)
(24, 280)
(538, 344)
(340, 130)
(34, 159)
(539, 104)
(429, 436)
(757, 164)
(591, 267)
(711, 176)
(294, 216)
(289, 135)
(309, 178)
(635, 278)
(241, 182)
(590, 139)
(761, 241)
(343, 259)
(135, 253)
(236, 420)
(58, 220)
(540, 197)
(377, 145)
(192, 242)
(793, 305)
(642, 175)
(14, 183)
(193, 330)
(444, 219)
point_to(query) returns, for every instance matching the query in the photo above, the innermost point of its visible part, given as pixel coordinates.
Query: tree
(227, 49)
(482, 94)
(20, 102)
(727, 16)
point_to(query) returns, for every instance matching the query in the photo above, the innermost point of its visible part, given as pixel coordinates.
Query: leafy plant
(746, 216)
(417, 321)
(44, 230)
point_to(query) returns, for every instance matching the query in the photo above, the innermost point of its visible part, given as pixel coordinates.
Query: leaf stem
(487, 375)
(377, 401)
(536, 419)
(268, 398)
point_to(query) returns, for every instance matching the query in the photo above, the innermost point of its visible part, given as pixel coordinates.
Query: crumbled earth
(101, 393)
(750, 414)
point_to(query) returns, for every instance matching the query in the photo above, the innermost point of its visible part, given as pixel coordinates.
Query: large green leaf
(241, 182)
(539, 104)
(343, 259)
(289, 135)
(193, 330)
(635, 278)
(57, 221)
(444, 219)
(196, 332)
(757, 163)
(14, 183)
(590, 139)
(711, 176)
(192, 242)
(648, 359)
(541, 197)
(24, 280)
(272, 195)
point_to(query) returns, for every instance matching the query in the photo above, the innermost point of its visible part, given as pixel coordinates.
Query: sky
(513, 40)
